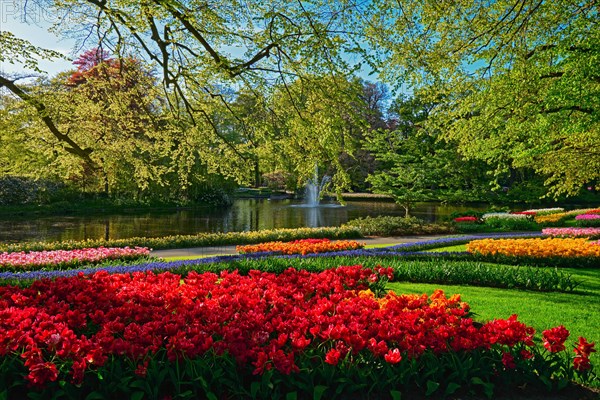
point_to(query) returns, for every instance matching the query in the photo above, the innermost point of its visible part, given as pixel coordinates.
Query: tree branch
(73, 147)
(567, 108)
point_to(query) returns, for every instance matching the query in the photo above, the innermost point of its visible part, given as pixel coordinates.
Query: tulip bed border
(297, 333)
(67, 259)
(433, 374)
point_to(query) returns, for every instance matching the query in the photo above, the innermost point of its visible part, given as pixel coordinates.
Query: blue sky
(33, 27)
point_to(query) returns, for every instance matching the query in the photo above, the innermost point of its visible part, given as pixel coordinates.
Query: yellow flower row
(550, 218)
(551, 247)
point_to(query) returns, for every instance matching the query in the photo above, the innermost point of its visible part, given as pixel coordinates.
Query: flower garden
(302, 246)
(56, 259)
(307, 318)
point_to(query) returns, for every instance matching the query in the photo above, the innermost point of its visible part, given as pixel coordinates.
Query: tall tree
(516, 82)
(113, 107)
(371, 106)
(314, 125)
(204, 50)
(414, 165)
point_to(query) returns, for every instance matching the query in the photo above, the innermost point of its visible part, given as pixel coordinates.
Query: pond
(243, 215)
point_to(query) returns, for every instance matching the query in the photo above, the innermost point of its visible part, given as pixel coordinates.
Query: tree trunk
(406, 210)
(256, 174)
(106, 184)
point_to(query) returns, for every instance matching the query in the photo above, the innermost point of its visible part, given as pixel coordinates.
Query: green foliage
(314, 125)
(588, 222)
(396, 226)
(551, 262)
(414, 163)
(214, 376)
(515, 86)
(21, 52)
(510, 224)
(23, 191)
(468, 227)
(538, 309)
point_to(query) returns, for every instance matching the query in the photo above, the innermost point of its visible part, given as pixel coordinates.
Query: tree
(516, 83)
(205, 50)
(371, 108)
(414, 165)
(313, 124)
(16, 50)
(112, 107)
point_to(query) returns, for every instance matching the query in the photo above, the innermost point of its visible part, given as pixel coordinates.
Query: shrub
(511, 222)
(471, 228)
(396, 226)
(278, 180)
(16, 190)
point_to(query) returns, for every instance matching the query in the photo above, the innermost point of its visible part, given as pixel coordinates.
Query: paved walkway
(226, 250)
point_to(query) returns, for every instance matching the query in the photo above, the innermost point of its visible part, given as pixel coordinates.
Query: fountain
(313, 208)
(312, 193)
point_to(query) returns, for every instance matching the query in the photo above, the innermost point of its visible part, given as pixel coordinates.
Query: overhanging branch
(72, 147)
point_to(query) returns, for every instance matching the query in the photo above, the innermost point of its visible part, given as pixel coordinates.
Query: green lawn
(458, 247)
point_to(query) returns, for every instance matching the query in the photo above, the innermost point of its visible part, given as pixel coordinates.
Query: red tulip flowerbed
(25, 261)
(302, 246)
(230, 335)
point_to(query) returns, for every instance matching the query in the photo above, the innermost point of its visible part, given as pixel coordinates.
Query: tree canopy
(516, 82)
(180, 90)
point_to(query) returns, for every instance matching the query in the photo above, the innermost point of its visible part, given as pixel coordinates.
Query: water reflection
(244, 215)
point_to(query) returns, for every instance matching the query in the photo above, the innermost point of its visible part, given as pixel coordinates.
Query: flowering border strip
(451, 241)
(199, 240)
(572, 232)
(536, 248)
(302, 246)
(174, 265)
(584, 255)
(58, 259)
(444, 270)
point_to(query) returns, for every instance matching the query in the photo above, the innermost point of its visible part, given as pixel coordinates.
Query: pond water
(243, 215)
